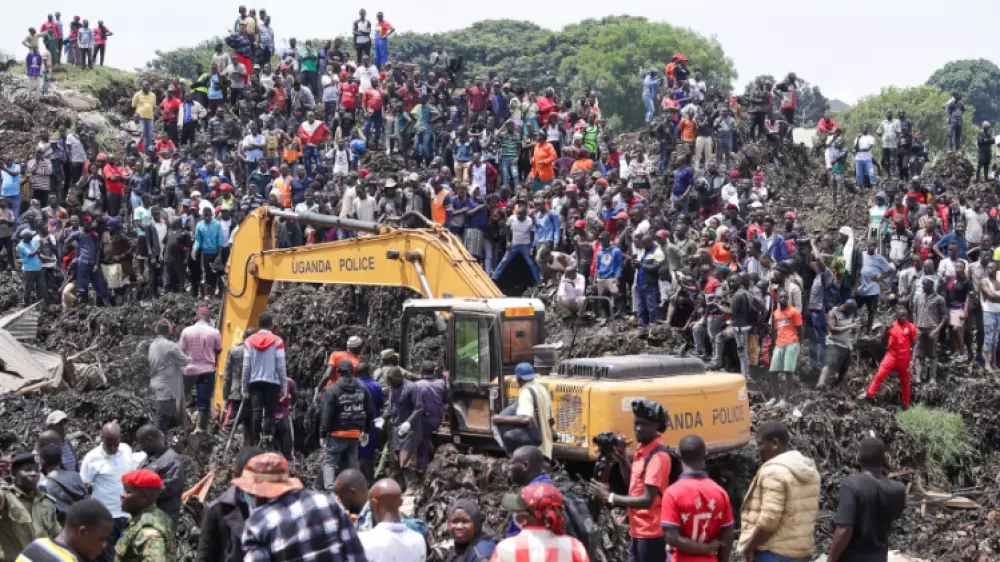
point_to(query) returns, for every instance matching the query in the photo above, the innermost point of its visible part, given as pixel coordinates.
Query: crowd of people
(522, 175)
(53, 43)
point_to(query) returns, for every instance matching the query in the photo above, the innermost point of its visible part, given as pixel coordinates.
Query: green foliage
(924, 106)
(605, 54)
(978, 79)
(942, 434)
(812, 105)
(181, 62)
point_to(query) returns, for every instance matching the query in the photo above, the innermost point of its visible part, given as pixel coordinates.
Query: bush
(942, 434)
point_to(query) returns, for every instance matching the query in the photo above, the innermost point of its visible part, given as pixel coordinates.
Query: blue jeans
(489, 248)
(523, 250)
(376, 120)
(220, 151)
(422, 145)
(203, 385)
(648, 305)
(647, 550)
(768, 556)
(724, 147)
(147, 133)
(508, 172)
(85, 275)
(665, 155)
(15, 204)
(339, 454)
(863, 169)
(649, 107)
(817, 353)
(312, 157)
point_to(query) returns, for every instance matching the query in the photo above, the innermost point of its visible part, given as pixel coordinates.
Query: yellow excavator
(486, 335)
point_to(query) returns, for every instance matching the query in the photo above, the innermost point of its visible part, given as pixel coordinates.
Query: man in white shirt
(863, 157)
(390, 540)
(102, 469)
(571, 296)
(364, 74)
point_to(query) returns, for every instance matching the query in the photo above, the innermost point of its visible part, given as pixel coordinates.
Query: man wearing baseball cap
(58, 421)
(538, 510)
(202, 343)
(347, 414)
(289, 523)
(354, 344)
(149, 534)
(27, 513)
(528, 421)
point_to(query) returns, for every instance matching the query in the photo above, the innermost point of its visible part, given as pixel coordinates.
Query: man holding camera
(650, 476)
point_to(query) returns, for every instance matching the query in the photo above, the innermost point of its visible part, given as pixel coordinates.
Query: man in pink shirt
(202, 343)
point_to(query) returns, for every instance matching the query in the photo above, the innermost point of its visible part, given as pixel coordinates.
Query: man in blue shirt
(11, 189)
(649, 87)
(88, 270)
(546, 228)
(608, 267)
(31, 266)
(683, 181)
(956, 236)
(208, 242)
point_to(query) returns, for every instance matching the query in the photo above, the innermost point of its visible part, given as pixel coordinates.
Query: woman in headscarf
(722, 257)
(538, 510)
(465, 524)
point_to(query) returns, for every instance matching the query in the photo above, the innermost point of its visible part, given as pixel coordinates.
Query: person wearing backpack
(63, 486)
(651, 470)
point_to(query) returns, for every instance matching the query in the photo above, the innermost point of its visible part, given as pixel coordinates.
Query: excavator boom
(431, 261)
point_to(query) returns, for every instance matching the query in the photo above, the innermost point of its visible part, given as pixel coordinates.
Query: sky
(850, 48)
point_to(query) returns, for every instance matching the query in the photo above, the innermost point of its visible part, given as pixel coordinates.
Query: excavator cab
(482, 340)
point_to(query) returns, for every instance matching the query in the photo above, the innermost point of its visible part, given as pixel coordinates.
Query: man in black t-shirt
(868, 505)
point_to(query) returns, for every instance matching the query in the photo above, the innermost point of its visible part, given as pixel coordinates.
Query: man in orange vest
(353, 354)
(541, 169)
(441, 203)
(283, 187)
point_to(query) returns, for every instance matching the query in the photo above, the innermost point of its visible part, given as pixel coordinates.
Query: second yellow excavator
(486, 334)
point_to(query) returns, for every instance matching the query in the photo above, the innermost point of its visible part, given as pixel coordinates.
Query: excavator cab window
(472, 349)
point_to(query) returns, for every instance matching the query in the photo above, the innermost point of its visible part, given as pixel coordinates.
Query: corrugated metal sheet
(22, 324)
(22, 366)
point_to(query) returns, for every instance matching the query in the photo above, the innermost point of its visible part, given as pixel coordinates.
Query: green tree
(978, 79)
(924, 106)
(181, 62)
(812, 105)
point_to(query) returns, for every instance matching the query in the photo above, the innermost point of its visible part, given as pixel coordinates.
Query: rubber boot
(932, 371)
(197, 423)
(203, 422)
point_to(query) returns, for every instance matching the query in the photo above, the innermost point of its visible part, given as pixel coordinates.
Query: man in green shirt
(510, 148)
(425, 114)
(308, 60)
(26, 513)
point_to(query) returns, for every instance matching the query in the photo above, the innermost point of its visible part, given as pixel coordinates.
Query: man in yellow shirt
(144, 103)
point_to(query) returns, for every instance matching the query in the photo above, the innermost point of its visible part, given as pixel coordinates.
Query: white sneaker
(770, 402)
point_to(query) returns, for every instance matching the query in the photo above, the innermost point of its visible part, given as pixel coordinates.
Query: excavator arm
(431, 261)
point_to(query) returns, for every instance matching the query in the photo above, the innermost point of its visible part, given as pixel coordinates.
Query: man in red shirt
(169, 108)
(898, 339)
(650, 476)
(113, 182)
(410, 95)
(478, 96)
(697, 516)
(372, 102)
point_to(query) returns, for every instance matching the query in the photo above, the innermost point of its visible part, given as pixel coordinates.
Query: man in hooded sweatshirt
(263, 377)
(780, 508)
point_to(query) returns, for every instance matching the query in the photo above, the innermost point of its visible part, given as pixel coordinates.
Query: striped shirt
(535, 544)
(47, 550)
(201, 343)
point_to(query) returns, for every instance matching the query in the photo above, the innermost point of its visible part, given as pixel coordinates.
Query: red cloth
(545, 502)
(890, 363)
(248, 64)
(901, 337)
(169, 109)
(348, 96)
(372, 100)
(699, 509)
(142, 479)
(477, 98)
(827, 125)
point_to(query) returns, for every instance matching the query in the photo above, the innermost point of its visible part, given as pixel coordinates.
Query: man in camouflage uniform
(26, 513)
(149, 535)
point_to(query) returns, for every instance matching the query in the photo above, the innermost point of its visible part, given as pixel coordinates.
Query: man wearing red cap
(289, 523)
(149, 535)
(538, 511)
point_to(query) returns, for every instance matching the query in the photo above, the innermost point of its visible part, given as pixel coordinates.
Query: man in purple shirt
(431, 392)
(202, 343)
(33, 62)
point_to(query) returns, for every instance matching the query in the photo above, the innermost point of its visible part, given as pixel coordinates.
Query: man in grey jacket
(166, 378)
(263, 378)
